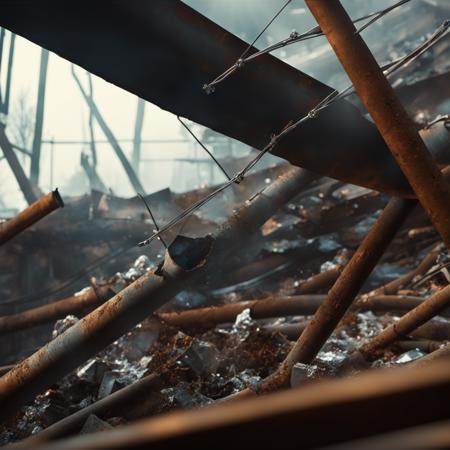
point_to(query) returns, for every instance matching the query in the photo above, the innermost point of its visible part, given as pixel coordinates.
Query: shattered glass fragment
(409, 356)
(301, 372)
(63, 324)
(202, 357)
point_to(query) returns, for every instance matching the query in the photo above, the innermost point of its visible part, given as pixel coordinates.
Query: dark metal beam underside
(164, 51)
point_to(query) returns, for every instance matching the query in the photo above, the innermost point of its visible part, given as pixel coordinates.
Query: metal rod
(186, 262)
(39, 122)
(407, 323)
(14, 164)
(427, 263)
(35, 212)
(110, 404)
(84, 302)
(398, 130)
(340, 296)
(210, 316)
(407, 397)
(320, 281)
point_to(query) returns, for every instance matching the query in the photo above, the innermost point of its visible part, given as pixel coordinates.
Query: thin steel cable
(295, 37)
(264, 29)
(153, 218)
(334, 96)
(204, 148)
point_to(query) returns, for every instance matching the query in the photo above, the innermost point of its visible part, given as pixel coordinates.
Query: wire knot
(208, 88)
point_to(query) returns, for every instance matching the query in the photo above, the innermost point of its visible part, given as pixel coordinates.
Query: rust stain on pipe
(35, 212)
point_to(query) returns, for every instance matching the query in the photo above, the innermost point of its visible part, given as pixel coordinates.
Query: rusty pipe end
(57, 198)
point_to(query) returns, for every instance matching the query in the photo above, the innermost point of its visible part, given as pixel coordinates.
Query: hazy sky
(66, 113)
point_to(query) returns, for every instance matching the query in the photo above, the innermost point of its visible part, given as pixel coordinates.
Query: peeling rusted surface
(83, 302)
(425, 311)
(137, 301)
(396, 127)
(35, 212)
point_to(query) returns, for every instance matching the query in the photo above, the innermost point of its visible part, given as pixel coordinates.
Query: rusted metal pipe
(83, 302)
(406, 396)
(186, 262)
(209, 317)
(344, 291)
(439, 330)
(35, 212)
(340, 296)
(426, 264)
(106, 406)
(318, 282)
(407, 323)
(398, 130)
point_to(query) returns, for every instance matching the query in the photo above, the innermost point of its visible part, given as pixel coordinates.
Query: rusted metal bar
(432, 436)
(344, 291)
(318, 282)
(186, 261)
(406, 396)
(407, 323)
(35, 212)
(84, 302)
(110, 405)
(209, 317)
(291, 330)
(201, 318)
(438, 330)
(392, 303)
(250, 106)
(398, 130)
(39, 121)
(16, 168)
(426, 264)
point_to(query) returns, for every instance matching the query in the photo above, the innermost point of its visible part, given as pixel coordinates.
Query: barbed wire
(388, 69)
(204, 148)
(293, 38)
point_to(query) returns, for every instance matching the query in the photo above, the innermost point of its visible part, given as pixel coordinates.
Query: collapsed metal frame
(430, 186)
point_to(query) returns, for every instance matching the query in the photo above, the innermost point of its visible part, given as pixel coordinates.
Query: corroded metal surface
(394, 124)
(187, 260)
(35, 212)
(374, 402)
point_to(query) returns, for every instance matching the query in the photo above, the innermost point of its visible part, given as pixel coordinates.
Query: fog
(66, 114)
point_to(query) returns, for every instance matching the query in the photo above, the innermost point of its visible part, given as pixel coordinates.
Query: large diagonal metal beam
(164, 51)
